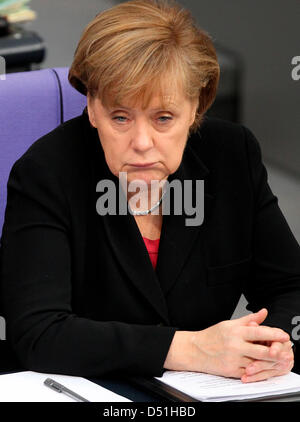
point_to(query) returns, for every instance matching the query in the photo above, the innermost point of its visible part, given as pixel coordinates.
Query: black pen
(59, 388)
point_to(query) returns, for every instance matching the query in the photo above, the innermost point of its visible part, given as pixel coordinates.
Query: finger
(253, 324)
(275, 349)
(259, 366)
(263, 333)
(281, 351)
(287, 356)
(277, 370)
(257, 317)
(261, 376)
(246, 362)
(286, 346)
(257, 352)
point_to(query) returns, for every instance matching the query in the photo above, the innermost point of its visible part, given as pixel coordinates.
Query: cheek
(114, 151)
(114, 160)
(173, 151)
(106, 146)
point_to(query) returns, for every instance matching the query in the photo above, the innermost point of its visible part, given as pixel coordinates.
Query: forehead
(156, 102)
(161, 93)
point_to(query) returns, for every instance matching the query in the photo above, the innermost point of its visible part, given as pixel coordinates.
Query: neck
(145, 200)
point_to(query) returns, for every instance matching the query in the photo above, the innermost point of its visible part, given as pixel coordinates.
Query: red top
(152, 247)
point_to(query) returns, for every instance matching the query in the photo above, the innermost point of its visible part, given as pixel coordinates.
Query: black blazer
(78, 290)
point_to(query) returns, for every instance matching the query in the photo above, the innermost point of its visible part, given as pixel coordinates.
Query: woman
(94, 290)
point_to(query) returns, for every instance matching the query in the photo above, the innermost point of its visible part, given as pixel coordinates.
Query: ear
(91, 110)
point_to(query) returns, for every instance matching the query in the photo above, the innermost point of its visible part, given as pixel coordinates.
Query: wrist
(181, 354)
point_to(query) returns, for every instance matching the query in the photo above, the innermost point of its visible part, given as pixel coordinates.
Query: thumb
(256, 318)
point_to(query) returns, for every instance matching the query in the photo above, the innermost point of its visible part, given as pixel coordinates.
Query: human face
(147, 144)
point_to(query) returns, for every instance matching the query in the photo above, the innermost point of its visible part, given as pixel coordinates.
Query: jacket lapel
(177, 239)
(126, 241)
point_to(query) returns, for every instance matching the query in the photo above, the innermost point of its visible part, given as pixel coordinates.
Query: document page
(29, 386)
(206, 387)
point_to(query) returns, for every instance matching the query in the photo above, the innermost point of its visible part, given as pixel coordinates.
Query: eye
(164, 119)
(120, 119)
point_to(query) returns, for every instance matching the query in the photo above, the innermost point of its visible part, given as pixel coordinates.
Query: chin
(145, 176)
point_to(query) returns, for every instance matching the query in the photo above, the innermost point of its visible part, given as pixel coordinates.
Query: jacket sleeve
(274, 281)
(36, 290)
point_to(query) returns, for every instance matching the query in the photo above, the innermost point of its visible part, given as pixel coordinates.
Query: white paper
(206, 387)
(29, 386)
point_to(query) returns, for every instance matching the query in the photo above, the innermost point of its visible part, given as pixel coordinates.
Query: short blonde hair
(135, 48)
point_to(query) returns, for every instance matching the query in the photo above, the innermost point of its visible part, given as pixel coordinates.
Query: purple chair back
(32, 104)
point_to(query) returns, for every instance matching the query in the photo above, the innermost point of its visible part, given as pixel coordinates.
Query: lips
(142, 165)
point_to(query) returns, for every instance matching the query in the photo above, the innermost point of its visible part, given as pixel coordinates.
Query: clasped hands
(245, 349)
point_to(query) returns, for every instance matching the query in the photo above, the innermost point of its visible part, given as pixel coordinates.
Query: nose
(142, 139)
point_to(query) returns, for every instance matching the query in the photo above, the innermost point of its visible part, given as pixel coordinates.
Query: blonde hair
(137, 48)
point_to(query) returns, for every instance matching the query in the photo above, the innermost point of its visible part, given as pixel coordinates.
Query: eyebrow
(116, 106)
